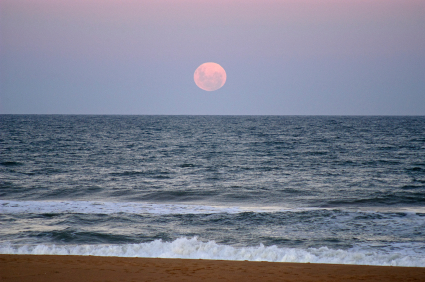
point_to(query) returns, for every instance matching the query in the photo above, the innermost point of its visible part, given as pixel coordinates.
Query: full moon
(210, 76)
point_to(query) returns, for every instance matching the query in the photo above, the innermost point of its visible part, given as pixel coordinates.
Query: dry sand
(87, 268)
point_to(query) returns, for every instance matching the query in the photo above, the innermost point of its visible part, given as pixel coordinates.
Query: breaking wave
(192, 248)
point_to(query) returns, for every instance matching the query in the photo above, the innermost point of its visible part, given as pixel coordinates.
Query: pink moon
(210, 76)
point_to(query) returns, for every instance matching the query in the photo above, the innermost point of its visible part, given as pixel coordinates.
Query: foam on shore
(195, 249)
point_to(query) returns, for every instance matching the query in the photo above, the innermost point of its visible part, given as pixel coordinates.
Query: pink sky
(309, 27)
(75, 36)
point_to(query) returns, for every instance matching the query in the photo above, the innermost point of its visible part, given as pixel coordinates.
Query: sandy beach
(89, 268)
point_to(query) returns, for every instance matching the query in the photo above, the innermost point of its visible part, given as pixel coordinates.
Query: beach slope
(35, 268)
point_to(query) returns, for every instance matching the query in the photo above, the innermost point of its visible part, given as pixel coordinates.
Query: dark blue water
(278, 188)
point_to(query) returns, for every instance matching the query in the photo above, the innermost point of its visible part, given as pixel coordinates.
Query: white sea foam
(194, 249)
(94, 207)
(100, 207)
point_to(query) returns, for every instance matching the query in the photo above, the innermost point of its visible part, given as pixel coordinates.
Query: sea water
(322, 189)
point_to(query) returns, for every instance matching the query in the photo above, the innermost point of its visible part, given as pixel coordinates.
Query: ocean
(319, 189)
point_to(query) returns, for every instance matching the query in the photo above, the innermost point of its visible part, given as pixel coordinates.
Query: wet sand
(35, 268)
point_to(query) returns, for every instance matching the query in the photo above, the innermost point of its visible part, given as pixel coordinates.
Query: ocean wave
(414, 197)
(98, 207)
(102, 207)
(192, 248)
(11, 163)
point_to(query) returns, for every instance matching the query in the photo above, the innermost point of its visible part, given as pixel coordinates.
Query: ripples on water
(353, 184)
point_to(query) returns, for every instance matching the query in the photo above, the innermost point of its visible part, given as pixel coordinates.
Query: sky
(282, 57)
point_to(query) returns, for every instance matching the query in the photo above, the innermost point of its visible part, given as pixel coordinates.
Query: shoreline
(64, 268)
